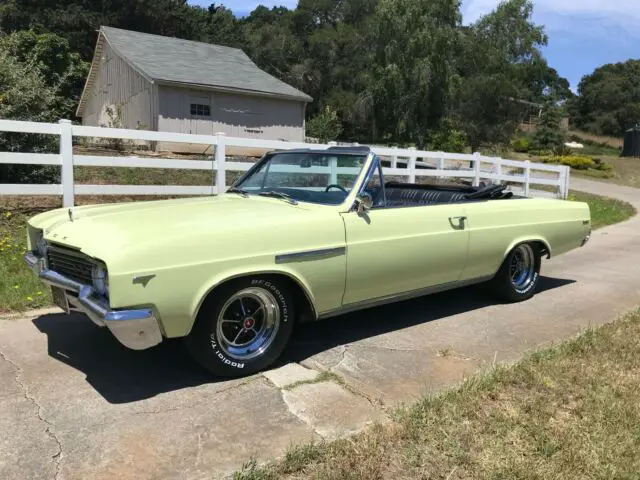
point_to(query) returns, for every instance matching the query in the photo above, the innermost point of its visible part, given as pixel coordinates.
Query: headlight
(100, 279)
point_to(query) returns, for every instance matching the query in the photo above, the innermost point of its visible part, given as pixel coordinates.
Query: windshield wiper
(240, 191)
(283, 196)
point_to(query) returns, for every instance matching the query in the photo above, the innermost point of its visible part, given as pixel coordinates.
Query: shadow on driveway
(121, 375)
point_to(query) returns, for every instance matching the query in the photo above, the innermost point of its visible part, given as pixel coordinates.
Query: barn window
(200, 110)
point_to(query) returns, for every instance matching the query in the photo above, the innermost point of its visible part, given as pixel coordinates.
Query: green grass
(604, 211)
(566, 412)
(19, 289)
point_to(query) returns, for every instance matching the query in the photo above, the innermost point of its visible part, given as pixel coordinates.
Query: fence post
(221, 173)
(527, 176)
(66, 155)
(333, 171)
(333, 144)
(440, 163)
(497, 169)
(394, 161)
(411, 165)
(567, 177)
(476, 169)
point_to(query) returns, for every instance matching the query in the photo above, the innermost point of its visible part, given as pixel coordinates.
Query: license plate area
(60, 298)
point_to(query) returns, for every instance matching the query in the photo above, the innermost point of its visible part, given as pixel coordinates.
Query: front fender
(223, 277)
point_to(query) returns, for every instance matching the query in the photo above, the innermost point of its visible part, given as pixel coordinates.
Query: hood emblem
(71, 214)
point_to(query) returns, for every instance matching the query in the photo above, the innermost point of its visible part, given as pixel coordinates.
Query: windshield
(318, 177)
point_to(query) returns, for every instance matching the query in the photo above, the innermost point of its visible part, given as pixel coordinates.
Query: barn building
(173, 85)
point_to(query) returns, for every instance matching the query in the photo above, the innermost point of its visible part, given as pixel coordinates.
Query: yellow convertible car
(303, 235)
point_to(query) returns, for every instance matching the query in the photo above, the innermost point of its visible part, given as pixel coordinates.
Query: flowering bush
(578, 162)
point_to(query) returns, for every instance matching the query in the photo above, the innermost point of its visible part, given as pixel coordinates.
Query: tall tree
(78, 20)
(548, 134)
(500, 64)
(609, 99)
(223, 28)
(413, 67)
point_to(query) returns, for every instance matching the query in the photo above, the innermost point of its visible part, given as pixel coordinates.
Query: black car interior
(407, 194)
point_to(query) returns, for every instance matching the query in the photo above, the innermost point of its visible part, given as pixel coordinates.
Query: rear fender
(521, 240)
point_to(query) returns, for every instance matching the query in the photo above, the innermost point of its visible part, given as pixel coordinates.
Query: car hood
(103, 230)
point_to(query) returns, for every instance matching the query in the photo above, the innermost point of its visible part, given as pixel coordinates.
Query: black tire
(208, 344)
(514, 291)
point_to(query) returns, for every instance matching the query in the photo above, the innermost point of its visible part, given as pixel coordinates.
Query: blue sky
(583, 34)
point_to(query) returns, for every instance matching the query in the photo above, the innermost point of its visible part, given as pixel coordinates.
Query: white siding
(235, 115)
(116, 83)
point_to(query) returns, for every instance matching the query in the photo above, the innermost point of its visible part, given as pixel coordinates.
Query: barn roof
(188, 63)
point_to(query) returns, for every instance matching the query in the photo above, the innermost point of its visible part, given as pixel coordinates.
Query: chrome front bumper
(135, 329)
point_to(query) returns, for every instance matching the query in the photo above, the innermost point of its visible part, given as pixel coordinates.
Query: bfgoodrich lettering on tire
(519, 274)
(243, 326)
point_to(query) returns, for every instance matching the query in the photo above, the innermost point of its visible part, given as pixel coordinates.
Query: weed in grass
(325, 376)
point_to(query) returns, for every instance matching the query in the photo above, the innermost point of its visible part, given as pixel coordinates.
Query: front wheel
(519, 274)
(243, 328)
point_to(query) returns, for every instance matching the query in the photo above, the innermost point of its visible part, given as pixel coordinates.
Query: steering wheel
(339, 187)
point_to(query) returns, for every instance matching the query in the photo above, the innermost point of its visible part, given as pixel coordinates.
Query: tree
(51, 59)
(548, 134)
(24, 95)
(40, 80)
(609, 99)
(392, 71)
(78, 20)
(500, 63)
(223, 28)
(413, 67)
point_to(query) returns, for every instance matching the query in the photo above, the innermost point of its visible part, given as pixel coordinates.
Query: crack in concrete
(57, 457)
(300, 417)
(343, 356)
(375, 402)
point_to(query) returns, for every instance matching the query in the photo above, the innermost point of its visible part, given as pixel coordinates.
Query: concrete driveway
(74, 404)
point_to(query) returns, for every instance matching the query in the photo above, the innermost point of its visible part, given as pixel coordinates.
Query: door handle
(457, 222)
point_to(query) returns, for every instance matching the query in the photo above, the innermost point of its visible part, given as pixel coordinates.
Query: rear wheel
(243, 327)
(519, 274)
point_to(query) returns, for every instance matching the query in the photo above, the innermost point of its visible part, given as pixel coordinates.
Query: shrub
(521, 144)
(448, 138)
(574, 161)
(562, 150)
(540, 153)
(325, 126)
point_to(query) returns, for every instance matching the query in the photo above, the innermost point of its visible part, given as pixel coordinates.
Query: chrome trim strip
(310, 255)
(399, 297)
(135, 329)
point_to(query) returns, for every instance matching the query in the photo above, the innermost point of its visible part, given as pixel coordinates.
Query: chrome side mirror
(364, 202)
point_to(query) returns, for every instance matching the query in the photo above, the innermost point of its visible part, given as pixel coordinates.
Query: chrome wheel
(522, 267)
(248, 323)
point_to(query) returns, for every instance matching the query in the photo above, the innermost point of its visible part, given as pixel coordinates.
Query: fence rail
(410, 163)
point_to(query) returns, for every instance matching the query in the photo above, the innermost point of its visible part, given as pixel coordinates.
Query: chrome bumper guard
(135, 329)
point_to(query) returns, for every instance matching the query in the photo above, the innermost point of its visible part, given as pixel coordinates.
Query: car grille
(71, 264)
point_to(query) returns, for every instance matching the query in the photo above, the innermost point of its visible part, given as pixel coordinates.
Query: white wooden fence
(409, 163)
